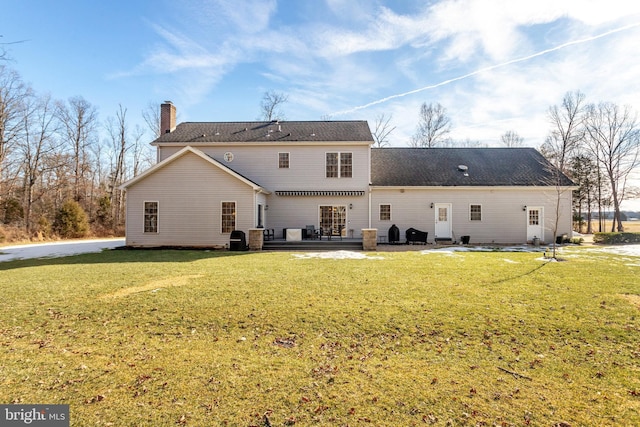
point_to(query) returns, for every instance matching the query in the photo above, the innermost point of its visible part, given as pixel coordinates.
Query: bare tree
(79, 120)
(382, 130)
(567, 129)
(433, 126)
(36, 145)
(511, 139)
(12, 94)
(271, 104)
(117, 129)
(614, 141)
(467, 143)
(141, 154)
(565, 137)
(151, 116)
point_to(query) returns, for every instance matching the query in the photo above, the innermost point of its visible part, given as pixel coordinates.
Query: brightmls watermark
(34, 415)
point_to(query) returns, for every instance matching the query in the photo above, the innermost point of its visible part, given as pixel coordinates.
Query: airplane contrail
(482, 70)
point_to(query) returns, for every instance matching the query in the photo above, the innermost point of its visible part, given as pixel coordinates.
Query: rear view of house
(216, 177)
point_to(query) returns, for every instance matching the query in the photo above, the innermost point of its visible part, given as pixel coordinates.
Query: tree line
(61, 166)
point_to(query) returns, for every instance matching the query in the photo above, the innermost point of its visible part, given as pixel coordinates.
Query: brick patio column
(256, 237)
(369, 239)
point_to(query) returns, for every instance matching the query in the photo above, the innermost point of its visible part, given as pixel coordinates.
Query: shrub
(71, 220)
(13, 211)
(44, 228)
(577, 240)
(616, 238)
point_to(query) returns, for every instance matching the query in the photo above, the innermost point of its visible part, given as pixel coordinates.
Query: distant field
(165, 338)
(630, 226)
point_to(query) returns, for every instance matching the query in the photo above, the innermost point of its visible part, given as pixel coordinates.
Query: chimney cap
(168, 102)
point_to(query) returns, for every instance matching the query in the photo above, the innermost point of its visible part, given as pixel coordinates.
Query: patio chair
(268, 234)
(312, 233)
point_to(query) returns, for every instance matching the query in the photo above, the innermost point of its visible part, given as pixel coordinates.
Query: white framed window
(339, 165)
(385, 212)
(283, 160)
(475, 212)
(228, 217)
(151, 214)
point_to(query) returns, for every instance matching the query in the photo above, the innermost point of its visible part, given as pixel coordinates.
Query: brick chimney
(167, 117)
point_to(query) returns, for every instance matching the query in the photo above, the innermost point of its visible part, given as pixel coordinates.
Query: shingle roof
(440, 167)
(283, 131)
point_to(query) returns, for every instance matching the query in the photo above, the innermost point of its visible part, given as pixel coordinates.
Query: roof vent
(463, 168)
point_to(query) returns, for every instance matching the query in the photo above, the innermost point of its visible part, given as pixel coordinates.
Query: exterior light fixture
(350, 205)
(431, 206)
(524, 208)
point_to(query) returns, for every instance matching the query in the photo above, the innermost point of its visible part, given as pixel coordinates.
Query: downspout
(369, 225)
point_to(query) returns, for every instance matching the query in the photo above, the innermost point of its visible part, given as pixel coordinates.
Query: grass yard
(155, 338)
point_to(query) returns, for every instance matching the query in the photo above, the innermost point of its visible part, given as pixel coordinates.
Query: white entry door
(535, 223)
(443, 220)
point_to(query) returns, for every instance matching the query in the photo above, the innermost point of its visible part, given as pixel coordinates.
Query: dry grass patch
(154, 286)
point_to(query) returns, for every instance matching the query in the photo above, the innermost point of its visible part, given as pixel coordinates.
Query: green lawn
(154, 338)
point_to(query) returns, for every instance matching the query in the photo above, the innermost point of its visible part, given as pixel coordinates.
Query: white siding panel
(306, 166)
(503, 218)
(189, 192)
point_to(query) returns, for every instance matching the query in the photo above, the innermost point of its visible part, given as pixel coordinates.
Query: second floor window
(283, 160)
(339, 165)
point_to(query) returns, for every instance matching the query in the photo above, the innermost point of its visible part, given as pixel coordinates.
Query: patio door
(333, 218)
(443, 220)
(535, 223)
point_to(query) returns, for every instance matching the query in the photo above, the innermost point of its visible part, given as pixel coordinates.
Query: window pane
(385, 212)
(228, 217)
(442, 214)
(150, 217)
(283, 160)
(475, 213)
(346, 165)
(534, 217)
(332, 165)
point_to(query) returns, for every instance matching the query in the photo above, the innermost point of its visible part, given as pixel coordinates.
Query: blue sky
(495, 65)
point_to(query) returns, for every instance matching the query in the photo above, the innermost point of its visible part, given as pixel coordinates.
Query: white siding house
(215, 177)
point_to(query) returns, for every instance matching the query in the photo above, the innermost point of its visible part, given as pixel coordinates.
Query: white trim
(470, 188)
(261, 143)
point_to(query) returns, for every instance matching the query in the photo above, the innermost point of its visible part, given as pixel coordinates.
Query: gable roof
(200, 154)
(429, 167)
(274, 131)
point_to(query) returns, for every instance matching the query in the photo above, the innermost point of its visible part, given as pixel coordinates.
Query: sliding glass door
(333, 218)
